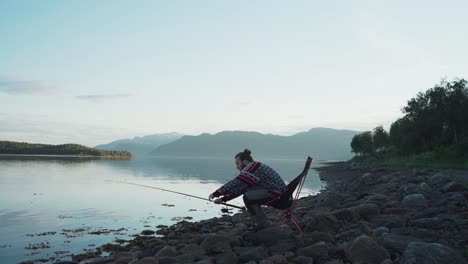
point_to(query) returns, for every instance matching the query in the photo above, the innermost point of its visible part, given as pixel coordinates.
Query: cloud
(100, 97)
(25, 87)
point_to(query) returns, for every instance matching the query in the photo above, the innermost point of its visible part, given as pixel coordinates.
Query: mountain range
(141, 146)
(321, 143)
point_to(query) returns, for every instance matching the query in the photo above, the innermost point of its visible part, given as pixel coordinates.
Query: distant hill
(141, 146)
(321, 143)
(21, 148)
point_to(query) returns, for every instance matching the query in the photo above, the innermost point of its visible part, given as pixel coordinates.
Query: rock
(438, 179)
(193, 250)
(366, 211)
(66, 262)
(252, 253)
(430, 222)
(227, 258)
(148, 232)
(380, 230)
(125, 260)
(365, 250)
(148, 260)
(314, 237)
(430, 253)
(397, 243)
(206, 261)
(303, 260)
(167, 251)
(387, 261)
(268, 236)
(323, 223)
(387, 220)
(453, 187)
(289, 254)
(414, 201)
(97, 260)
(316, 251)
(276, 259)
(346, 215)
(216, 244)
(425, 187)
(367, 178)
(283, 246)
(166, 260)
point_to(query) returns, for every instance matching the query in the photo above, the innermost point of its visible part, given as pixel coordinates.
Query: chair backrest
(286, 200)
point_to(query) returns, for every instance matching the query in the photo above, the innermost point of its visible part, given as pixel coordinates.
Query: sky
(91, 72)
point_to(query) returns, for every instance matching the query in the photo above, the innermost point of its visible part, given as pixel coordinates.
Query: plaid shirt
(254, 175)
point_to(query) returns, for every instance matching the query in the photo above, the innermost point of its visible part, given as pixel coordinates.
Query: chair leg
(296, 222)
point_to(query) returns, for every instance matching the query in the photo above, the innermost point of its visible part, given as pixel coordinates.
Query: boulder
(216, 244)
(397, 243)
(430, 253)
(252, 253)
(227, 258)
(365, 250)
(438, 179)
(414, 201)
(167, 251)
(316, 251)
(453, 187)
(193, 250)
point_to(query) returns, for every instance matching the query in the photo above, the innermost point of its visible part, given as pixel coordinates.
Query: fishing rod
(189, 195)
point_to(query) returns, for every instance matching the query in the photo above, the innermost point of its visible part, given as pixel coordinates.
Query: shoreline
(365, 214)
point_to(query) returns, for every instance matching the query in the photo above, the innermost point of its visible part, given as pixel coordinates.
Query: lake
(62, 206)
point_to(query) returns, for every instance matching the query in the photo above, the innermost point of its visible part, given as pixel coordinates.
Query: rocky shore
(365, 215)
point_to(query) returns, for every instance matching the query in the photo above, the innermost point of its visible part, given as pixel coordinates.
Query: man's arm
(234, 188)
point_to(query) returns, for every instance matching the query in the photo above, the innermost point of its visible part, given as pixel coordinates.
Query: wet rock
(166, 251)
(453, 187)
(316, 251)
(365, 250)
(430, 253)
(148, 232)
(227, 258)
(216, 244)
(414, 201)
(97, 260)
(252, 253)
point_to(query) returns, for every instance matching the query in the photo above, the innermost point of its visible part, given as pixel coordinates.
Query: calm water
(53, 205)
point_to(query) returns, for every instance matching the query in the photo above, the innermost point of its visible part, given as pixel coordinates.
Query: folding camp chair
(286, 201)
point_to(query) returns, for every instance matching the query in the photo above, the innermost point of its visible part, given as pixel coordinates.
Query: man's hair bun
(247, 151)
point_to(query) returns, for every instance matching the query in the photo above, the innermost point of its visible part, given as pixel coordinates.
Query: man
(259, 183)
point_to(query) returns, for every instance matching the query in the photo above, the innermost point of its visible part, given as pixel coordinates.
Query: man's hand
(218, 201)
(210, 197)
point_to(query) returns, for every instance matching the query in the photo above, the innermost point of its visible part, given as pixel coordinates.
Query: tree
(380, 139)
(362, 143)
